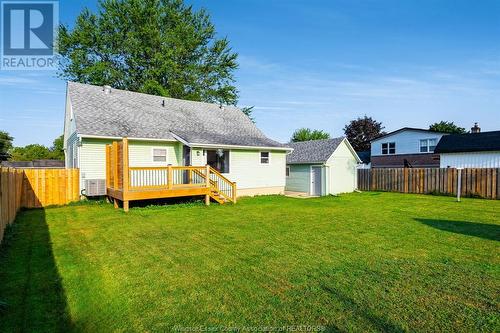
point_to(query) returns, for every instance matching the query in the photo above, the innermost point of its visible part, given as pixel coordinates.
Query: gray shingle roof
(129, 114)
(316, 151)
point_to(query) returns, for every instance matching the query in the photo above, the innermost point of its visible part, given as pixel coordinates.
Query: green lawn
(358, 262)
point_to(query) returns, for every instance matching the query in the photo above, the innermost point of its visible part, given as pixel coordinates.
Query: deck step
(217, 197)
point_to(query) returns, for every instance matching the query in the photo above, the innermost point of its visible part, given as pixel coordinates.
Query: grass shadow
(481, 230)
(31, 287)
(362, 312)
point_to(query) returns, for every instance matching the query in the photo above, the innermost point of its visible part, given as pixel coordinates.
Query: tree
(160, 47)
(447, 127)
(248, 111)
(361, 131)
(39, 152)
(307, 134)
(30, 153)
(57, 149)
(5, 145)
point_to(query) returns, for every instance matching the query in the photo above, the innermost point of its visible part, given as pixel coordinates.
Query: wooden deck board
(158, 193)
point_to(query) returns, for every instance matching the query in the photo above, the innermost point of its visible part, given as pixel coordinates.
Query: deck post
(207, 179)
(115, 203)
(207, 172)
(125, 166)
(125, 173)
(234, 191)
(115, 165)
(170, 176)
(108, 166)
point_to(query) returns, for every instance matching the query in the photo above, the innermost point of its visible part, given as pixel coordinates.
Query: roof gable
(470, 142)
(315, 151)
(408, 129)
(122, 113)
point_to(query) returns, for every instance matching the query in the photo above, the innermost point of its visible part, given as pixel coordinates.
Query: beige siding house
(164, 131)
(322, 167)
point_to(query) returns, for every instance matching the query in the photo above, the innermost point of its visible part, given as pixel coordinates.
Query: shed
(322, 167)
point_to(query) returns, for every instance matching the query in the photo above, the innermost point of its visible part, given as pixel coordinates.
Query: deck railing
(223, 185)
(166, 177)
(127, 183)
(170, 177)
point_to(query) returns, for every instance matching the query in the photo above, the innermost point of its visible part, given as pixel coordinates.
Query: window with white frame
(428, 145)
(264, 157)
(287, 171)
(159, 155)
(432, 144)
(388, 148)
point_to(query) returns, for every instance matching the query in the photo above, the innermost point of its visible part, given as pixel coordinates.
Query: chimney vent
(475, 129)
(106, 89)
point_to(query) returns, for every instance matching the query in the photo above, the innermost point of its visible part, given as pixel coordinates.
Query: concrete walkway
(300, 195)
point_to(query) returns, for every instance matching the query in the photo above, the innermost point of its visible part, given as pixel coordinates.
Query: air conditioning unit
(95, 187)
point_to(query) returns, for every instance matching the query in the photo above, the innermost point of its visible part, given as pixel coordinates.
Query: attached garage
(322, 167)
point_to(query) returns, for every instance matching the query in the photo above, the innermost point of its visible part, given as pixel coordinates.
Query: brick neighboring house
(406, 147)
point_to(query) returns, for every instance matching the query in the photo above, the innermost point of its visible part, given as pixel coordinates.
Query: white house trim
(181, 140)
(87, 136)
(215, 146)
(351, 149)
(189, 144)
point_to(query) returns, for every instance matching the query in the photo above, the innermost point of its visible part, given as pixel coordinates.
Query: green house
(165, 131)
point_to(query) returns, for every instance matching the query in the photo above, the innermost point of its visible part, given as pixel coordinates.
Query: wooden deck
(126, 183)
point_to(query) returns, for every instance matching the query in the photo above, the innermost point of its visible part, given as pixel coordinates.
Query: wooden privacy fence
(11, 184)
(484, 183)
(45, 187)
(33, 188)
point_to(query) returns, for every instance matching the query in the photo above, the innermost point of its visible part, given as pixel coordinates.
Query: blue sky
(320, 64)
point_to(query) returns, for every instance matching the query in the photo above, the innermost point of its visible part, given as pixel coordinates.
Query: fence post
(2, 226)
(459, 183)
